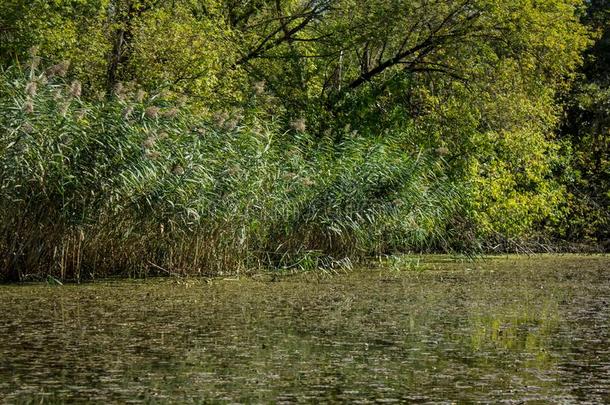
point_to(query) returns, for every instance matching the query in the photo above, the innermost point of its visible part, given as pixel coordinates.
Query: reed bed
(137, 185)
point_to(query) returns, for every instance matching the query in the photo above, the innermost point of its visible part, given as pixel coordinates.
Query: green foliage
(514, 191)
(586, 128)
(218, 134)
(135, 185)
(72, 30)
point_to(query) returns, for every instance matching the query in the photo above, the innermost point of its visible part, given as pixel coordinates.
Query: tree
(476, 79)
(586, 127)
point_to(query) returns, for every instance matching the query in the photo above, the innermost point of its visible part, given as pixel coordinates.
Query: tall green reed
(138, 185)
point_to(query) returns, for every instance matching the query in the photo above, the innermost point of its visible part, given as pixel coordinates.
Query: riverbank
(137, 188)
(395, 264)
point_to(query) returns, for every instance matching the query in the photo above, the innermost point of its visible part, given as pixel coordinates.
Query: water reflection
(501, 330)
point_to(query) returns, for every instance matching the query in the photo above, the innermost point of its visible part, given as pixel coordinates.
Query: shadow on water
(511, 329)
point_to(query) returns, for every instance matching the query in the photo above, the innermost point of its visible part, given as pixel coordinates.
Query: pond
(507, 329)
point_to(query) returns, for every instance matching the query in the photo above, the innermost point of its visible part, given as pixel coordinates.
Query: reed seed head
(152, 112)
(63, 108)
(220, 117)
(127, 112)
(80, 114)
(171, 113)
(58, 94)
(60, 69)
(151, 154)
(259, 87)
(307, 182)
(299, 125)
(76, 89)
(27, 128)
(28, 107)
(233, 170)
(442, 151)
(149, 142)
(31, 88)
(34, 62)
(140, 95)
(119, 91)
(34, 58)
(231, 124)
(177, 170)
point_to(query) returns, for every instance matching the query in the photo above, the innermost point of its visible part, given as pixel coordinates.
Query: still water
(509, 330)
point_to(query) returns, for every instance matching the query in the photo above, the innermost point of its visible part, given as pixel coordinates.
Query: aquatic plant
(114, 186)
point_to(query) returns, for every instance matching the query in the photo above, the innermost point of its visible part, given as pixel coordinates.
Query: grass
(139, 186)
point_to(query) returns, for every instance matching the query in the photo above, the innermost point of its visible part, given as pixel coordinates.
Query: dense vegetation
(219, 135)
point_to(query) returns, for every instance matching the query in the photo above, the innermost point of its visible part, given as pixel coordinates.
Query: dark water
(504, 330)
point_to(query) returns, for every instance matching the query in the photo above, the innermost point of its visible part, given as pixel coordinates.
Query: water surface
(500, 330)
